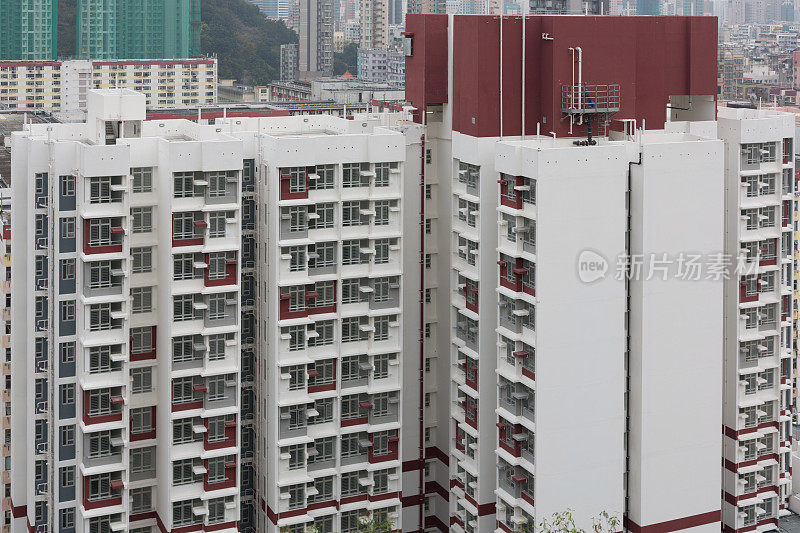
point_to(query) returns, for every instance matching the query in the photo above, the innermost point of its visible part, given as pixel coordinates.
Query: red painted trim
(354, 421)
(432, 452)
(675, 524)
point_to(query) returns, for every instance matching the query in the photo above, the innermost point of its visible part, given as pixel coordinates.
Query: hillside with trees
(246, 43)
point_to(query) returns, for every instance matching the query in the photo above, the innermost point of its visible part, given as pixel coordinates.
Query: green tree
(374, 525)
(346, 60)
(67, 30)
(563, 522)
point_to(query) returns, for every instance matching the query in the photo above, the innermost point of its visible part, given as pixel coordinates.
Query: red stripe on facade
(676, 524)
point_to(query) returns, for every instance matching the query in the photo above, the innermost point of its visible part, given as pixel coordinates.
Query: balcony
(221, 269)
(103, 278)
(103, 235)
(101, 406)
(188, 229)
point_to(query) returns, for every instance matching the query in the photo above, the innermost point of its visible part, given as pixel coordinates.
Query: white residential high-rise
(759, 333)
(126, 399)
(330, 314)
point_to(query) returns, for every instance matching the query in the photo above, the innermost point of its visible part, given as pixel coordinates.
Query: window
(184, 185)
(141, 499)
(297, 297)
(351, 213)
(182, 514)
(142, 260)
(326, 294)
(381, 325)
(324, 450)
(297, 217)
(297, 456)
(142, 179)
(216, 427)
(216, 387)
(216, 469)
(182, 390)
(67, 435)
(468, 174)
(68, 228)
(380, 287)
(380, 403)
(323, 372)
(67, 352)
(216, 223)
(183, 267)
(67, 185)
(99, 274)
(350, 291)
(100, 359)
(142, 460)
(297, 178)
(381, 363)
(324, 486)
(297, 495)
(141, 420)
(99, 231)
(351, 252)
(351, 329)
(68, 311)
(351, 175)
(297, 416)
(183, 226)
(324, 177)
(351, 448)
(428, 192)
(380, 443)
(99, 402)
(325, 409)
(382, 211)
(322, 255)
(297, 377)
(182, 473)
(67, 269)
(297, 337)
(67, 475)
(141, 380)
(350, 370)
(142, 219)
(216, 347)
(297, 257)
(183, 308)
(217, 264)
(382, 172)
(382, 251)
(182, 431)
(324, 218)
(100, 189)
(218, 182)
(216, 306)
(380, 480)
(216, 510)
(66, 516)
(350, 407)
(99, 444)
(142, 299)
(141, 340)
